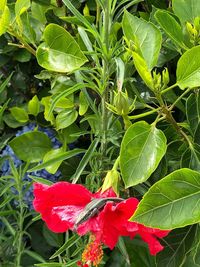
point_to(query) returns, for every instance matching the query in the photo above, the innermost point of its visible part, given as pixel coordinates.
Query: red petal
(108, 193)
(114, 220)
(60, 203)
(153, 243)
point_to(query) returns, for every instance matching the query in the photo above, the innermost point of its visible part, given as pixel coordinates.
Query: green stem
(19, 186)
(97, 13)
(172, 121)
(179, 98)
(116, 164)
(168, 88)
(105, 76)
(135, 117)
(24, 44)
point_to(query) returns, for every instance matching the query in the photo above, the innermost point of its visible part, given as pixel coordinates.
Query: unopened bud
(86, 11)
(197, 23)
(121, 103)
(165, 77)
(111, 181)
(157, 80)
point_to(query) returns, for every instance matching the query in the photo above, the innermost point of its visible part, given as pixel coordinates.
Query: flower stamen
(93, 252)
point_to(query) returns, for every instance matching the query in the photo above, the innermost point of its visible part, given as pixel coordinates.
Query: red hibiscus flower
(61, 204)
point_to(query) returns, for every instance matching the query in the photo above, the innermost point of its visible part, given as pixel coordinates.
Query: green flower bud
(165, 77)
(111, 180)
(197, 23)
(121, 103)
(156, 81)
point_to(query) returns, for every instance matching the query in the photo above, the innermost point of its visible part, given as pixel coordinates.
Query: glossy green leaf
(4, 19)
(191, 158)
(171, 27)
(143, 70)
(65, 118)
(59, 52)
(66, 93)
(145, 36)
(186, 10)
(2, 5)
(46, 102)
(21, 6)
(193, 111)
(188, 68)
(83, 103)
(51, 155)
(19, 114)
(177, 244)
(63, 156)
(34, 106)
(31, 146)
(142, 148)
(172, 202)
(10, 121)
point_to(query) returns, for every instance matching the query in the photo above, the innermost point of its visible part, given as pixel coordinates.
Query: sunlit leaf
(172, 202)
(59, 52)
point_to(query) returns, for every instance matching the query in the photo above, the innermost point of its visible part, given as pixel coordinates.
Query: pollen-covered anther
(93, 252)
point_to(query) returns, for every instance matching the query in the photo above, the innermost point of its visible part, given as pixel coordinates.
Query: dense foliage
(105, 94)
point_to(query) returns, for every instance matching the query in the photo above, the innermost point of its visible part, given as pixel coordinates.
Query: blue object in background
(5, 168)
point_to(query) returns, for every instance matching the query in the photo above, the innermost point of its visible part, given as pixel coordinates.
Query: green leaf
(21, 6)
(66, 93)
(143, 70)
(5, 83)
(59, 52)
(11, 121)
(171, 27)
(4, 20)
(31, 146)
(65, 118)
(142, 148)
(75, 20)
(19, 114)
(52, 264)
(63, 156)
(40, 180)
(34, 106)
(84, 161)
(53, 239)
(70, 242)
(82, 18)
(22, 55)
(145, 35)
(2, 5)
(193, 111)
(83, 104)
(172, 202)
(34, 255)
(178, 244)
(191, 158)
(46, 102)
(186, 10)
(188, 68)
(2, 109)
(51, 155)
